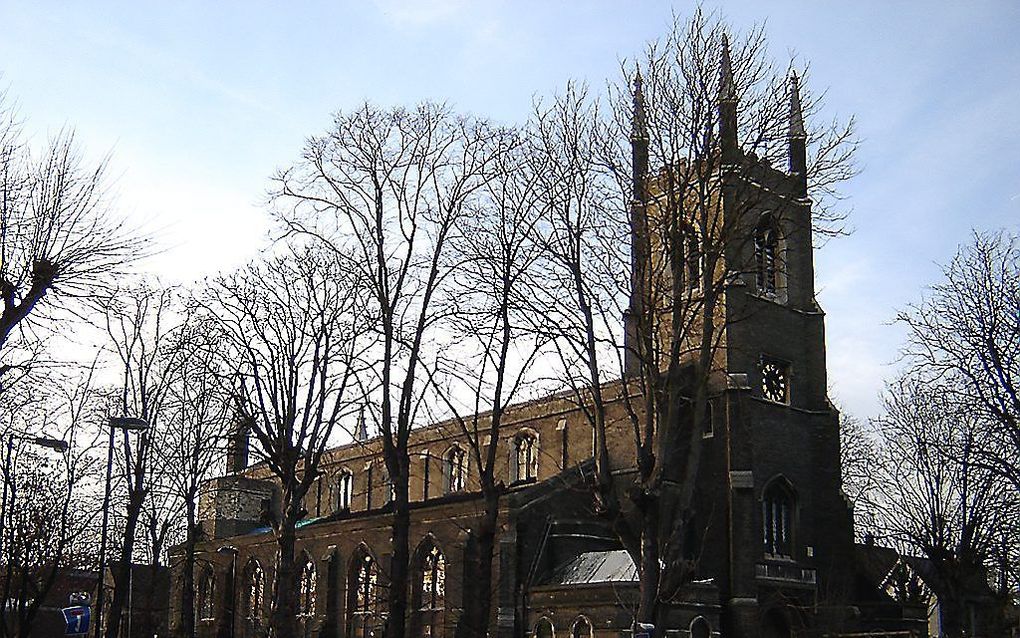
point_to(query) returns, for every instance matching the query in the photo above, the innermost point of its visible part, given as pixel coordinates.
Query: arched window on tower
(253, 593)
(454, 470)
(766, 255)
(692, 258)
(524, 458)
(430, 597)
(778, 508)
(362, 595)
(306, 588)
(206, 600)
(343, 491)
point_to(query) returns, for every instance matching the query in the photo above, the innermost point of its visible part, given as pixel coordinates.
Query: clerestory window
(524, 458)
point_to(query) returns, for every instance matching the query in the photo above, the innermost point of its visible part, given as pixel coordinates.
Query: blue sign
(77, 619)
(644, 630)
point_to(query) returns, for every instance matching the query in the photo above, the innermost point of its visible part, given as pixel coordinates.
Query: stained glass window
(362, 597)
(206, 594)
(306, 591)
(253, 594)
(433, 593)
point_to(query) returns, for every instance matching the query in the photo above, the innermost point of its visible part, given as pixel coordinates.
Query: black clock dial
(774, 382)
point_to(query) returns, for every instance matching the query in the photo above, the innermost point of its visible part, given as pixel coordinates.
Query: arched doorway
(775, 625)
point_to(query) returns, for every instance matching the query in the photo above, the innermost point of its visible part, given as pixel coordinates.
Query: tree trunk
(650, 569)
(474, 621)
(122, 572)
(952, 616)
(284, 623)
(187, 628)
(396, 620)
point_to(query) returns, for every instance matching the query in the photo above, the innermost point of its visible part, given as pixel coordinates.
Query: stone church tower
(777, 533)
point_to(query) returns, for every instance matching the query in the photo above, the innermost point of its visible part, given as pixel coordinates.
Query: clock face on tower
(775, 381)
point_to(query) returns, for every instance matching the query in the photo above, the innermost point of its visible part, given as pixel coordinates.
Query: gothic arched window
(253, 591)
(708, 426)
(692, 258)
(343, 491)
(454, 470)
(778, 507)
(544, 629)
(432, 591)
(206, 594)
(700, 628)
(362, 595)
(581, 628)
(524, 458)
(766, 255)
(306, 588)
(391, 490)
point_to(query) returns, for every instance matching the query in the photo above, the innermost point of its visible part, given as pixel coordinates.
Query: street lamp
(231, 590)
(126, 423)
(41, 441)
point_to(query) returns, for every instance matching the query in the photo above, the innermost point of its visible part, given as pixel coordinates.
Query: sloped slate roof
(613, 566)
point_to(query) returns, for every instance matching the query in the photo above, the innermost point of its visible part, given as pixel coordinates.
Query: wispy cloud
(416, 13)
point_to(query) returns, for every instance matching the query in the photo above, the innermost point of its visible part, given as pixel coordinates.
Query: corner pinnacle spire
(727, 88)
(638, 124)
(796, 113)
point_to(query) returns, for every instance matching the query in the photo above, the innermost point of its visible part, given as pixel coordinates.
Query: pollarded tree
(292, 330)
(59, 241)
(388, 188)
(654, 211)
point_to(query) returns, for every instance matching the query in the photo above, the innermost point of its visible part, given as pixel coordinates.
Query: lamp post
(115, 423)
(41, 441)
(230, 607)
(5, 510)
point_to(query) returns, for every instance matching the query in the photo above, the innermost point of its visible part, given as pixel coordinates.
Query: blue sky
(199, 102)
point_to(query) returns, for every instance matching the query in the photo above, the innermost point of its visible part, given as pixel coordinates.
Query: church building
(776, 554)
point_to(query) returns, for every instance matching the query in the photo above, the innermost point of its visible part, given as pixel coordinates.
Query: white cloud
(418, 13)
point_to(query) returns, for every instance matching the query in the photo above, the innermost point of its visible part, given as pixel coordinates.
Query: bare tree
(389, 187)
(140, 324)
(292, 328)
(492, 349)
(190, 444)
(932, 496)
(665, 248)
(968, 331)
(858, 458)
(59, 241)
